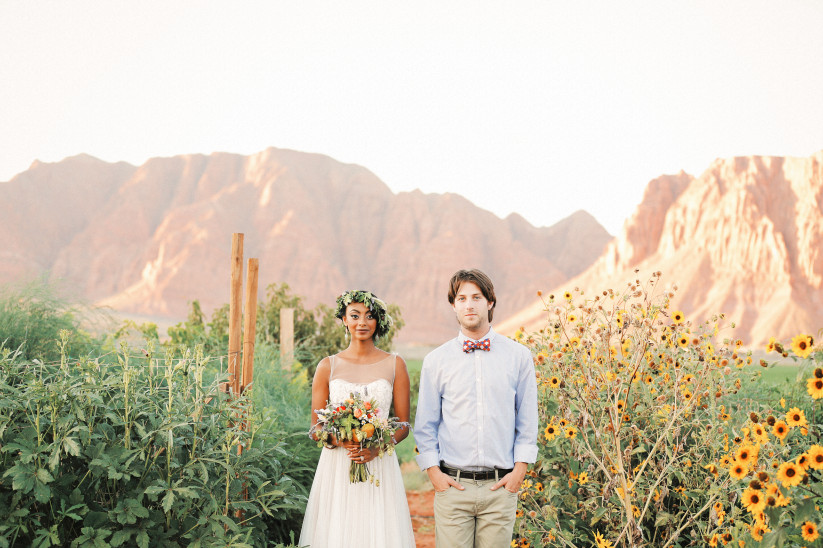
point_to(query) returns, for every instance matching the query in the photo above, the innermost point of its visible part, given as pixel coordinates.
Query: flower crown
(377, 307)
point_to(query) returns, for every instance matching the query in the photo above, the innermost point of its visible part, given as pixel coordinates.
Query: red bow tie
(471, 346)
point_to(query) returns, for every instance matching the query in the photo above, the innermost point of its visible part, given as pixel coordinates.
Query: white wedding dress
(341, 514)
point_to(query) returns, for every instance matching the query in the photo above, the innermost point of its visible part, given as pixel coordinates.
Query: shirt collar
(489, 335)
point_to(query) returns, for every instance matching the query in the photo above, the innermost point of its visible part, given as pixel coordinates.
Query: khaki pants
(474, 518)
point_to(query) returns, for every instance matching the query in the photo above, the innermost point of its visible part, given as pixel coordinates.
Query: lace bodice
(373, 381)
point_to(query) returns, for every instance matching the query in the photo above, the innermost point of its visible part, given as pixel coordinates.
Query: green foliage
(140, 452)
(31, 318)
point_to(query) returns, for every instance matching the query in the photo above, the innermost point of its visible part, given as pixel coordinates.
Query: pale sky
(534, 107)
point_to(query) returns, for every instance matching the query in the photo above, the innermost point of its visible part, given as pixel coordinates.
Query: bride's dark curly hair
(377, 308)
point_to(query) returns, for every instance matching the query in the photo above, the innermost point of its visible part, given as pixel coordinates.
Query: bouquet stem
(358, 472)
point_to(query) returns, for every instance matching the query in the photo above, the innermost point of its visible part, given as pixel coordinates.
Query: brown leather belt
(476, 476)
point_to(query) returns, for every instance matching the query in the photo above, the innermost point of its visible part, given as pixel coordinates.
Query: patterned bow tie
(471, 346)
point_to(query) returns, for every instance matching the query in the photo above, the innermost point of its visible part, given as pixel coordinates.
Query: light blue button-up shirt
(477, 410)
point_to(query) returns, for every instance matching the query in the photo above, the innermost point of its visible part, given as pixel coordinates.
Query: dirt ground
(421, 507)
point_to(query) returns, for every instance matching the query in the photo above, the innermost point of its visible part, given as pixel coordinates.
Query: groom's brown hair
(478, 278)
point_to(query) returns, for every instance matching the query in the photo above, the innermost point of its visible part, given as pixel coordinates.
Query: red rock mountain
(745, 238)
(146, 240)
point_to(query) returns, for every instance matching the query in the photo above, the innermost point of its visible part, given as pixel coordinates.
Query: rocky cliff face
(146, 240)
(744, 238)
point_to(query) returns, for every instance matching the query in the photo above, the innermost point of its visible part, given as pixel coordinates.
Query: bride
(375, 514)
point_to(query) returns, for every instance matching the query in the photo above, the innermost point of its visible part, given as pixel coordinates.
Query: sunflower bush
(776, 460)
(636, 406)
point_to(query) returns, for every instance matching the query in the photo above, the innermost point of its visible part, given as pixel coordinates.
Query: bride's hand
(360, 454)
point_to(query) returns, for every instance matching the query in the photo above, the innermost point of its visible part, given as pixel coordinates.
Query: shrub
(635, 404)
(779, 489)
(138, 452)
(32, 316)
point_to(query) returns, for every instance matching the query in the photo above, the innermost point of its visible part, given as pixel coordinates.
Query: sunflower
(809, 531)
(583, 478)
(815, 387)
(753, 500)
(574, 342)
(738, 470)
(770, 346)
(554, 382)
(780, 430)
(746, 455)
(678, 316)
(758, 530)
(683, 341)
(796, 417)
(815, 453)
(550, 432)
(802, 461)
(601, 542)
(802, 345)
(571, 318)
(571, 432)
(563, 423)
(567, 295)
(790, 474)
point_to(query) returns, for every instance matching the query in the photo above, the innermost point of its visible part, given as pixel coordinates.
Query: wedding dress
(341, 514)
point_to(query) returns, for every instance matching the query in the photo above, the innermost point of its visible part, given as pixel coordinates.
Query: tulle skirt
(341, 514)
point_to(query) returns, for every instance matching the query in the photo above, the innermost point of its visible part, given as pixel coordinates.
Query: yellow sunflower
(753, 500)
(815, 387)
(796, 417)
(780, 430)
(554, 382)
(790, 474)
(583, 478)
(815, 453)
(758, 530)
(738, 470)
(802, 345)
(550, 432)
(683, 341)
(571, 432)
(770, 346)
(809, 531)
(602, 542)
(678, 316)
(746, 455)
(567, 295)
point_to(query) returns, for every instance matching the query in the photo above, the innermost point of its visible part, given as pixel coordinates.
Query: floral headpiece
(377, 307)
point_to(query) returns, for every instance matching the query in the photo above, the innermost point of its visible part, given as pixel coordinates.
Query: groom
(476, 422)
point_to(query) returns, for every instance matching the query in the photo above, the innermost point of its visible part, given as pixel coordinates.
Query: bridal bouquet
(356, 419)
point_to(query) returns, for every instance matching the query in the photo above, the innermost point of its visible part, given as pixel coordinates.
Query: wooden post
(235, 311)
(250, 323)
(286, 337)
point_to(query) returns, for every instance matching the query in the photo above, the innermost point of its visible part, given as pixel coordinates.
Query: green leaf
(805, 512)
(143, 539)
(71, 447)
(598, 514)
(121, 537)
(168, 501)
(44, 476)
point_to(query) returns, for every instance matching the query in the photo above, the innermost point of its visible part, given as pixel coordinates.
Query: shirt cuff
(525, 453)
(427, 460)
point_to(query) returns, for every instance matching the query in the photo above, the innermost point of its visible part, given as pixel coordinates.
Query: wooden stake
(250, 324)
(286, 337)
(235, 311)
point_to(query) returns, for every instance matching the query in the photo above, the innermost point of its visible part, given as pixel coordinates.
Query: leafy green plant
(137, 452)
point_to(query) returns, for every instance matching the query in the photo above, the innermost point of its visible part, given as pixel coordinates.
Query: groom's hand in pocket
(440, 480)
